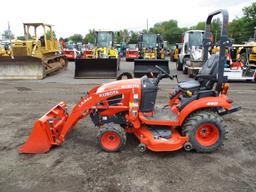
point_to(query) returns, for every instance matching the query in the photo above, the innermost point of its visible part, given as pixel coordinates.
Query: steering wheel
(161, 75)
(164, 72)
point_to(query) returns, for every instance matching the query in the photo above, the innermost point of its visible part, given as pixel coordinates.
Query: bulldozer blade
(96, 68)
(21, 67)
(147, 66)
(46, 131)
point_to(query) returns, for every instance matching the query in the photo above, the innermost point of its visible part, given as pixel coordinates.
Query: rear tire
(206, 131)
(111, 138)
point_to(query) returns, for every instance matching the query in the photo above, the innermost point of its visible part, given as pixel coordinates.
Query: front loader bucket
(96, 68)
(147, 66)
(21, 67)
(46, 131)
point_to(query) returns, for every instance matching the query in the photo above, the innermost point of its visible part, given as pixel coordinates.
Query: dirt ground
(78, 165)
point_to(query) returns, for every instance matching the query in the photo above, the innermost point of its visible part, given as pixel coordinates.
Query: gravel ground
(78, 165)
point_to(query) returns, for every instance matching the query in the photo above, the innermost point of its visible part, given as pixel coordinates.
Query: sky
(78, 16)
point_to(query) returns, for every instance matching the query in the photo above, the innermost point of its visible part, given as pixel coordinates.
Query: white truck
(190, 59)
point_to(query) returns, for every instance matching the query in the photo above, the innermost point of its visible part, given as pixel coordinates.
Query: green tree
(242, 29)
(7, 34)
(76, 38)
(134, 36)
(89, 37)
(118, 37)
(250, 11)
(200, 26)
(238, 30)
(169, 31)
(48, 34)
(216, 29)
(122, 36)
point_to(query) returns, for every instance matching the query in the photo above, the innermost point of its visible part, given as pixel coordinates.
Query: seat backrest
(210, 67)
(207, 75)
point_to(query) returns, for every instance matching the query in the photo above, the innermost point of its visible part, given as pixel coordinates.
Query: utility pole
(9, 31)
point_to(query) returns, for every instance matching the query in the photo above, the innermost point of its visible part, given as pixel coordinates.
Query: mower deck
(163, 139)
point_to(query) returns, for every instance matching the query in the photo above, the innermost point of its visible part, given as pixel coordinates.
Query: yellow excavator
(100, 62)
(33, 57)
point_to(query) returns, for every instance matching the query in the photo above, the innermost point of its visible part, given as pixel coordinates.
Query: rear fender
(204, 103)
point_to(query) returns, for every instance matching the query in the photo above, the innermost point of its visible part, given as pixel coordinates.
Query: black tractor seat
(202, 86)
(205, 78)
(190, 84)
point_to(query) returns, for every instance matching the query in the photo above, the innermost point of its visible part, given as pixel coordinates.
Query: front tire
(205, 130)
(111, 138)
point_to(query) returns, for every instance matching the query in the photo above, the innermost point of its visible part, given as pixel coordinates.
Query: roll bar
(224, 42)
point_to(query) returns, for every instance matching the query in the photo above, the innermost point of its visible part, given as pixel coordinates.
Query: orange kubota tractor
(192, 118)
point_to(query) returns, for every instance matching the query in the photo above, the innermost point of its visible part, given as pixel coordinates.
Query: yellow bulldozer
(100, 62)
(33, 57)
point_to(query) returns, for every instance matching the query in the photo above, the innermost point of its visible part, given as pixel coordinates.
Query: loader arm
(83, 108)
(54, 126)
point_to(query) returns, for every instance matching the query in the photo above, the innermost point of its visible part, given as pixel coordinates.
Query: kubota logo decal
(213, 103)
(84, 101)
(107, 94)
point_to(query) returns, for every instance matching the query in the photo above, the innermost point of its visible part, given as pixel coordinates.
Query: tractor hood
(122, 84)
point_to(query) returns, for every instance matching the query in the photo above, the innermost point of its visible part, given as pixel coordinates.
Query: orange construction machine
(191, 119)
